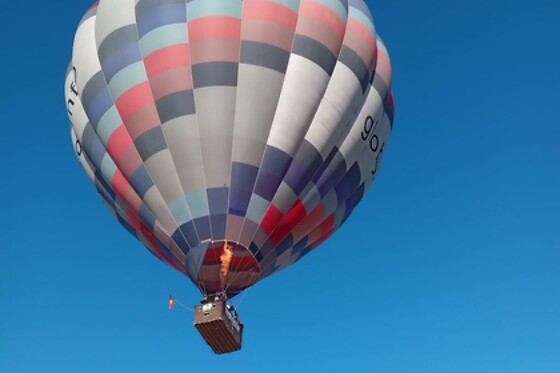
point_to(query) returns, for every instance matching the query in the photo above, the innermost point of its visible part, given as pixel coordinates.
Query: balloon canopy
(230, 137)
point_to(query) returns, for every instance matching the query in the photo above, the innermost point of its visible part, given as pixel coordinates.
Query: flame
(225, 259)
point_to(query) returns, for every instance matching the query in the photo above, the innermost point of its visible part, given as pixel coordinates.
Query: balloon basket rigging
(219, 325)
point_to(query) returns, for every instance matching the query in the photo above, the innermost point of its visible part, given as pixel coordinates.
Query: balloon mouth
(228, 267)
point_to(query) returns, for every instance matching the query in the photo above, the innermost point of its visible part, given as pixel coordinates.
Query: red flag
(171, 302)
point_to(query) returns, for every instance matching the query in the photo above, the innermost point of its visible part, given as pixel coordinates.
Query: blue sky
(450, 264)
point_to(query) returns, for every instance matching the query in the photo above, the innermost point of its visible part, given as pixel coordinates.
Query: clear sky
(451, 264)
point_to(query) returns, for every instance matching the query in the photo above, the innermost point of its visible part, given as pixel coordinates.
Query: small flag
(171, 302)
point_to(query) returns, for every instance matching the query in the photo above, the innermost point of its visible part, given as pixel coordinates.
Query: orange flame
(225, 259)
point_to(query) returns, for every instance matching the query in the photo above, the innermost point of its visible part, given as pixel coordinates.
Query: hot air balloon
(230, 137)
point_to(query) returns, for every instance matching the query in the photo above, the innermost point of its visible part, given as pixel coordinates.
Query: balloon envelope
(230, 137)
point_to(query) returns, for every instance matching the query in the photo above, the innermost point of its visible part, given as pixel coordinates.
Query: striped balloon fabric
(230, 137)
